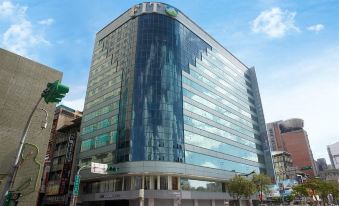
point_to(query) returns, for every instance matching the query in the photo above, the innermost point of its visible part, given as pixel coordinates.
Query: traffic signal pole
(15, 165)
(52, 94)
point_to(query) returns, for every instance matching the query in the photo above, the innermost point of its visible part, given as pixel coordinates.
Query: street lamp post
(246, 175)
(74, 197)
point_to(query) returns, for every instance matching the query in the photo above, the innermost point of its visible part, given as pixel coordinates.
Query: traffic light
(8, 198)
(54, 92)
(11, 197)
(112, 169)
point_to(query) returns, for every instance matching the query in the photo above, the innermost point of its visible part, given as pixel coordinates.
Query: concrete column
(179, 186)
(141, 202)
(151, 183)
(150, 202)
(158, 186)
(143, 182)
(169, 180)
(196, 203)
(213, 202)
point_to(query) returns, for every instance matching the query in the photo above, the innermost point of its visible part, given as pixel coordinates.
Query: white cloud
(21, 35)
(275, 23)
(307, 89)
(46, 22)
(8, 11)
(316, 28)
(77, 104)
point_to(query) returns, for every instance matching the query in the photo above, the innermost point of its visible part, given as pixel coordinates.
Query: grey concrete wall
(21, 83)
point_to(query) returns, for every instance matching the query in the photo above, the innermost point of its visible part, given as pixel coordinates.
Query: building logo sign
(171, 11)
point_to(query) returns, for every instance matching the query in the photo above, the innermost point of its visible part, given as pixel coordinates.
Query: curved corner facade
(172, 110)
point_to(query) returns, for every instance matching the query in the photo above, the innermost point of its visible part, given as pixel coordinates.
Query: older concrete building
(21, 83)
(63, 165)
(282, 162)
(66, 123)
(290, 136)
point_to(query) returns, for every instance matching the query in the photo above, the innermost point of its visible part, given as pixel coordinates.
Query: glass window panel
(203, 126)
(217, 163)
(218, 120)
(211, 144)
(163, 182)
(199, 185)
(213, 106)
(86, 145)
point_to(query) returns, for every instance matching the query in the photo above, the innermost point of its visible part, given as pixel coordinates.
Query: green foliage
(239, 187)
(288, 198)
(261, 181)
(300, 190)
(317, 187)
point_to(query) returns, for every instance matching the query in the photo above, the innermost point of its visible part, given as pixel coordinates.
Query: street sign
(306, 168)
(98, 168)
(76, 185)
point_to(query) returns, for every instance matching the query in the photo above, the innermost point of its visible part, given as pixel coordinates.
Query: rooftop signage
(171, 11)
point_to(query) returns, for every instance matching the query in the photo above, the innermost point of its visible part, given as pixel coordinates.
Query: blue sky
(294, 46)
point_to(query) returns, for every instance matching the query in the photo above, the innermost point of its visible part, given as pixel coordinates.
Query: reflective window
(127, 183)
(207, 92)
(102, 140)
(222, 78)
(137, 183)
(147, 184)
(199, 185)
(99, 125)
(163, 182)
(218, 120)
(242, 101)
(103, 98)
(203, 126)
(155, 116)
(87, 145)
(207, 103)
(211, 144)
(217, 163)
(101, 111)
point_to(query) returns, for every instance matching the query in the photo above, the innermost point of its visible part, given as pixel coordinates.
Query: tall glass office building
(173, 111)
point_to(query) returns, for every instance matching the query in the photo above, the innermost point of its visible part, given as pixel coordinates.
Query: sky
(294, 46)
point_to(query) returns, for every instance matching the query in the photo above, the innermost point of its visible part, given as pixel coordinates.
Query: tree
(313, 187)
(300, 190)
(326, 188)
(239, 187)
(261, 181)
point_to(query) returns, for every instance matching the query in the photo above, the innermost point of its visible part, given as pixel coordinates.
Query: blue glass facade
(164, 48)
(162, 91)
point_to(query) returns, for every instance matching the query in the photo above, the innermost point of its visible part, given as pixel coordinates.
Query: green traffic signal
(54, 92)
(8, 198)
